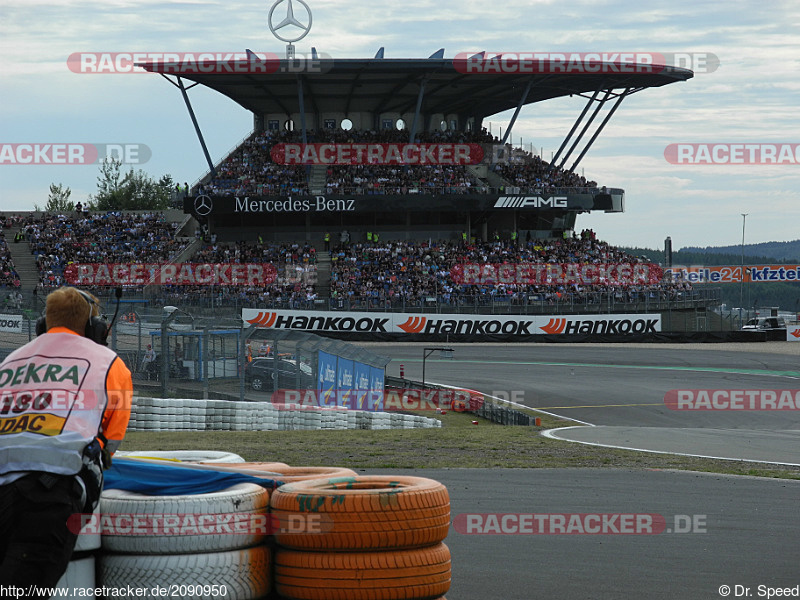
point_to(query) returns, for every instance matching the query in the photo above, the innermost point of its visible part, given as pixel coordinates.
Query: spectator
(148, 361)
(47, 479)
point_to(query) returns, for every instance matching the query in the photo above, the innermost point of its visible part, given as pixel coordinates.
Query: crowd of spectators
(399, 179)
(529, 172)
(373, 274)
(58, 240)
(395, 179)
(8, 273)
(295, 283)
(417, 272)
(250, 169)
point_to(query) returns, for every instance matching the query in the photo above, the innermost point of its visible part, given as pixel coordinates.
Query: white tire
(187, 524)
(79, 576)
(89, 538)
(192, 456)
(245, 574)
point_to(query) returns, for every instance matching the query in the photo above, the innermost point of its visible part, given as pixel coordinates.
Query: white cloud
(750, 97)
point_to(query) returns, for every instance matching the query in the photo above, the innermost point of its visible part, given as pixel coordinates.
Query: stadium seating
(250, 169)
(363, 275)
(379, 274)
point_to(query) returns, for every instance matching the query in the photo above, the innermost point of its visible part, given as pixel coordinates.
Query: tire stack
(168, 414)
(366, 538)
(288, 474)
(80, 571)
(170, 546)
(209, 457)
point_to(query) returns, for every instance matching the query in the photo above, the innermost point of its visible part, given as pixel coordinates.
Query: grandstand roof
(392, 85)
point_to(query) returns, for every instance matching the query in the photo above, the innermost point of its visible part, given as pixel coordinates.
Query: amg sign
(531, 202)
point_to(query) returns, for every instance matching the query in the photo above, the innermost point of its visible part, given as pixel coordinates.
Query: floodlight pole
(164, 358)
(426, 352)
(741, 274)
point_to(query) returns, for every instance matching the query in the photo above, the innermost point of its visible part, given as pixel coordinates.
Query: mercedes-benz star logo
(203, 206)
(289, 20)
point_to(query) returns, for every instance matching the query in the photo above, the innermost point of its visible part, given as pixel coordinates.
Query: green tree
(58, 200)
(134, 190)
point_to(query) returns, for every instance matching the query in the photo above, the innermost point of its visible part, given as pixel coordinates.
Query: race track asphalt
(745, 531)
(623, 388)
(741, 531)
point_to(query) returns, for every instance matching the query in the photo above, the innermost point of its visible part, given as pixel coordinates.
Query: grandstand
(393, 102)
(372, 233)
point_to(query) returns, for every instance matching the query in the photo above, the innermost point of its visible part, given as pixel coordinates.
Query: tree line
(134, 190)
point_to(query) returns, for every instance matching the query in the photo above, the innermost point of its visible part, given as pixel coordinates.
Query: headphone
(97, 328)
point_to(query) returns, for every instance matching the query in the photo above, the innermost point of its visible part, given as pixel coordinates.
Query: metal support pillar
(197, 127)
(516, 112)
(599, 129)
(572, 131)
(584, 130)
(301, 100)
(416, 111)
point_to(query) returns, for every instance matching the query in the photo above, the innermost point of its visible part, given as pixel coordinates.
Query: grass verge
(458, 444)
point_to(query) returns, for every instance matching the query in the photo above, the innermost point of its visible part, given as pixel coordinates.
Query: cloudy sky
(751, 98)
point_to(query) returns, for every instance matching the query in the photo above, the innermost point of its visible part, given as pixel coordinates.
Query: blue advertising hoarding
(375, 397)
(326, 379)
(360, 386)
(344, 382)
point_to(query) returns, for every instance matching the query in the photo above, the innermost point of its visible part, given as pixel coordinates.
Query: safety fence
(229, 301)
(503, 415)
(224, 302)
(468, 401)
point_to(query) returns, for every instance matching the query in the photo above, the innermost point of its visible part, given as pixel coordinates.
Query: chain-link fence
(201, 349)
(173, 352)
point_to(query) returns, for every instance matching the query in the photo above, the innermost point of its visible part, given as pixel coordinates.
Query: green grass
(458, 444)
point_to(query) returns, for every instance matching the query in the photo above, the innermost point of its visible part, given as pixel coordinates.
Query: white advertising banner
(376, 322)
(10, 323)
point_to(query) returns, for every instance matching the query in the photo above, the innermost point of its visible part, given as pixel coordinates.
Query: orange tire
(365, 512)
(417, 574)
(257, 466)
(294, 474)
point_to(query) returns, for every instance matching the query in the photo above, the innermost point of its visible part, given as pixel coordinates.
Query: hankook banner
(11, 323)
(473, 325)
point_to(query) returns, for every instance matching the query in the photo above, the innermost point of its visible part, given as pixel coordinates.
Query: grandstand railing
(225, 157)
(550, 304)
(376, 189)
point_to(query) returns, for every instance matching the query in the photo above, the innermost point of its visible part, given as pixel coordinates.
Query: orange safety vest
(57, 394)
